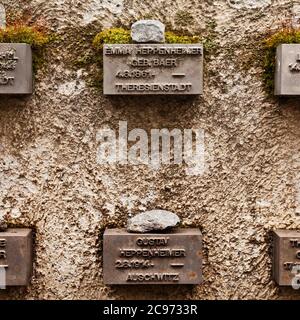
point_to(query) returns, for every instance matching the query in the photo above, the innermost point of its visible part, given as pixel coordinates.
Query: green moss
(269, 47)
(113, 35)
(120, 35)
(174, 38)
(34, 36)
(24, 34)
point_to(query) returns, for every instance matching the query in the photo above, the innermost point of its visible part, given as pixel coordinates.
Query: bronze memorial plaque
(286, 256)
(152, 258)
(136, 69)
(16, 256)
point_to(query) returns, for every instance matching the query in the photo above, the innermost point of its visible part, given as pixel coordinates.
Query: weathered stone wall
(50, 179)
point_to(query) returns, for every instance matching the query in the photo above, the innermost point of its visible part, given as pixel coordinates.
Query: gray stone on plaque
(15, 68)
(153, 220)
(146, 31)
(287, 70)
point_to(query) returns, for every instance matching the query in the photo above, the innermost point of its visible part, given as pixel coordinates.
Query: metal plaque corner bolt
(153, 69)
(152, 258)
(16, 257)
(286, 257)
(15, 69)
(287, 70)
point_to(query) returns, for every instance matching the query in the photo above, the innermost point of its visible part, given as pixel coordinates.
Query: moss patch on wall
(122, 36)
(113, 35)
(24, 34)
(35, 36)
(288, 35)
(174, 38)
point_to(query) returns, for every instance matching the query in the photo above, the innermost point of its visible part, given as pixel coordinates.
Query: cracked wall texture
(50, 180)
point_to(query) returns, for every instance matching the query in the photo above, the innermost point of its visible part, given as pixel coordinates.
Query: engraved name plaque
(15, 68)
(286, 257)
(147, 69)
(15, 257)
(287, 71)
(152, 258)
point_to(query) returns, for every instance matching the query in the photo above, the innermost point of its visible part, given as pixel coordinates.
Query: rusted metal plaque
(286, 256)
(147, 69)
(16, 256)
(152, 258)
(15, 68)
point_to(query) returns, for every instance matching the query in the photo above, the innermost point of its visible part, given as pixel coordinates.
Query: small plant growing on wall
(122, 36)
(35, 36)
(111, 36)
(21, 53)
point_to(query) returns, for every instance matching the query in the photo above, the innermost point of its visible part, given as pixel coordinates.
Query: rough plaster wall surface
(50, 179)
